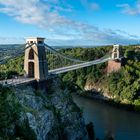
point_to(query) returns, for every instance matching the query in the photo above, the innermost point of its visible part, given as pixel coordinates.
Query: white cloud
(47, 14)
(95, 6)
(90, 5)
(129, 9)
(11, 40)
(36, 12)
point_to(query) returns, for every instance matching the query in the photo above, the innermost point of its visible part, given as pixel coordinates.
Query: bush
(137, 105)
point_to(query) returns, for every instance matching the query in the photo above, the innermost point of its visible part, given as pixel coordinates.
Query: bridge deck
(77, 66)
(23, 80)
(16, 81)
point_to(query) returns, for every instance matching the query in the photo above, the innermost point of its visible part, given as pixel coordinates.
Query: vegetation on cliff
(123, 86)
(11, 126)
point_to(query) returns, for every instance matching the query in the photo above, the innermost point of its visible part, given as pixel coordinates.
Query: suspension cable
(63, 55)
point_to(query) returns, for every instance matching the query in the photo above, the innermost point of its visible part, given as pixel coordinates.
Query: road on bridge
(78, 66)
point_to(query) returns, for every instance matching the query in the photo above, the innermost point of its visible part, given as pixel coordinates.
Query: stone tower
(35, 62)
(115, 52)
(114, 65)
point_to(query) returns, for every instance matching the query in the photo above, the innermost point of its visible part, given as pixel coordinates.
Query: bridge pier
(113, 66)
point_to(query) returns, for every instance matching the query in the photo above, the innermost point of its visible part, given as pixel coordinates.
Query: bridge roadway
(23, 80)
(78, 66)
(16, 81)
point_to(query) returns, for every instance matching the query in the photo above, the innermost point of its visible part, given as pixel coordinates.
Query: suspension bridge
(41, 61)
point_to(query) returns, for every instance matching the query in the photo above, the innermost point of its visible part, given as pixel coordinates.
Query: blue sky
(70, 22)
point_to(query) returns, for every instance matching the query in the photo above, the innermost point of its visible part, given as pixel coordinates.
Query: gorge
(56, 116)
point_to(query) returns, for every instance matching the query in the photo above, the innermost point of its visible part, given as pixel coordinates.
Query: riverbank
(113, 102)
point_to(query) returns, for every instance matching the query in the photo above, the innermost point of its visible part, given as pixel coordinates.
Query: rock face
(91, 86)
(53, 115)
(97, 88)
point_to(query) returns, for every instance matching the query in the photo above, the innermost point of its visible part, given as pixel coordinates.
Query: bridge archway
(31, 72)
(31, 54)
(115, 55)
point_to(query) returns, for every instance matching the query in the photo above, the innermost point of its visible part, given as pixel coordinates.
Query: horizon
(77, 46)
(81, 23)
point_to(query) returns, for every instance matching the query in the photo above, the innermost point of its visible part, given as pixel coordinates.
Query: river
(123, 125)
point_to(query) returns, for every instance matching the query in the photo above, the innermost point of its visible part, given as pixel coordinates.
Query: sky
(70, 22)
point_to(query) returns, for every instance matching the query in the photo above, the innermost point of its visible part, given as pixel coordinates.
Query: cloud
(11, 40)
(95, 6)
(49, 15)
(91, 6)
(36, 12)
(130, 10)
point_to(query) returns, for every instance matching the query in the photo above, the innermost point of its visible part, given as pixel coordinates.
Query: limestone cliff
(98, 88)
(48, 116)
